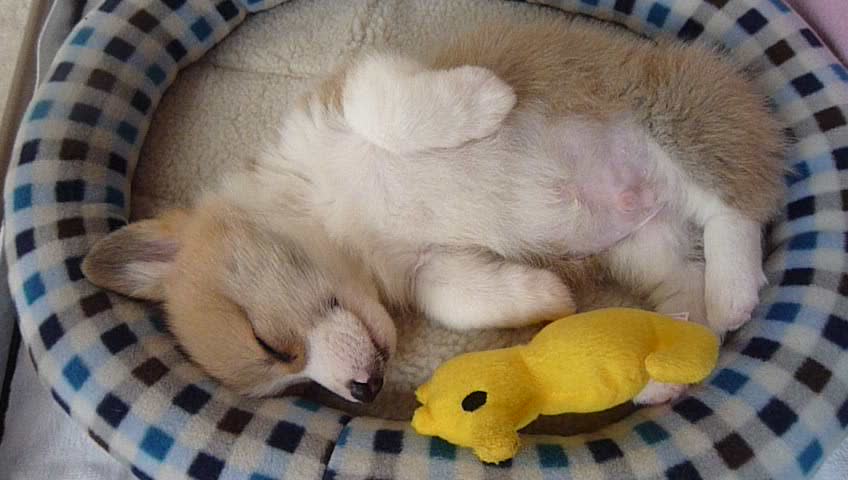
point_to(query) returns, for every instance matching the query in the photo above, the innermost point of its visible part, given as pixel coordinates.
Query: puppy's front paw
(731, 297)
(548, 297)
(656, 393)
(530, 296)
(484, 101)
(403, 106)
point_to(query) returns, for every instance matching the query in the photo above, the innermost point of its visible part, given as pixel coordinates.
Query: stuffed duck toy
(586, 362)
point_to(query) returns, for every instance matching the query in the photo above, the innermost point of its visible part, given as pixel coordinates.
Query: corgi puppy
(258, 308)
(456, 183)
(553, 139)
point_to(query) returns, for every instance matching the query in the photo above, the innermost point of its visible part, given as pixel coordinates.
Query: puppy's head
(257, 309)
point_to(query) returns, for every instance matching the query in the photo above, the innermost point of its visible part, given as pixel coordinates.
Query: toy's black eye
(280, 356)
(474, 400)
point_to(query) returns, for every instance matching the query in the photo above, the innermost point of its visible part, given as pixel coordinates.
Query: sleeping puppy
(447, 183)
(546, 140)
(257, 307)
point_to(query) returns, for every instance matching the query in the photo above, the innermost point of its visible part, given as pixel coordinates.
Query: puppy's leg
(656, 393)
(402, 106)
(654, 260)
(465, 291)
(734, 271)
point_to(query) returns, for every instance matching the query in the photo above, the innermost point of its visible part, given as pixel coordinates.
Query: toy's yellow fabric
(582, 363)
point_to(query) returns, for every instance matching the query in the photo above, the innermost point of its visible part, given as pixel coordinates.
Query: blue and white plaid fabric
(775, 406)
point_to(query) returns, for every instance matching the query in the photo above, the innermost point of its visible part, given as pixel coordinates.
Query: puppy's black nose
(366, 392)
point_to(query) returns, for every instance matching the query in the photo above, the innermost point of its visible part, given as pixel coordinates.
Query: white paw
(548, 297)
(656, 393)
(462, 292)
(731, 296)
(402, 106)
(484, 101)
(734, 269)
(531, 296)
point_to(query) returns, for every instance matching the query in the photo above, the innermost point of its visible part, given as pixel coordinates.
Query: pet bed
(223, 110)
(774, 407)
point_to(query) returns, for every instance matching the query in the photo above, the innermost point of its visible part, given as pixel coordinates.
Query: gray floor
(12, 22)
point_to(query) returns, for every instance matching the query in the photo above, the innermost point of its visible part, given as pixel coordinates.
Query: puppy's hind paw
(734, 270)
(656, 393)
(552, 299)
(731, 301)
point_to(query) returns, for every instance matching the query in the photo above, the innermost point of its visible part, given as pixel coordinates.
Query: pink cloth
(829, 18)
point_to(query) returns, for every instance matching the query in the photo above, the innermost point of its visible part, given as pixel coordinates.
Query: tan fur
(227, 280)
(211, 328)
(199, 297)
(695, 103)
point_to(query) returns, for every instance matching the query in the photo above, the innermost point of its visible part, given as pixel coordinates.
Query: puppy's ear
(135, 259)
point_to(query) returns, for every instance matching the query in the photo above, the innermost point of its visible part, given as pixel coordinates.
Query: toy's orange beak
(422, 422)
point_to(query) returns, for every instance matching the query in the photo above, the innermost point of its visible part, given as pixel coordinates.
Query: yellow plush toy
(582, 363)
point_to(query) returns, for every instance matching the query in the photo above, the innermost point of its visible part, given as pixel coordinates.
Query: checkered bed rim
(775, 406)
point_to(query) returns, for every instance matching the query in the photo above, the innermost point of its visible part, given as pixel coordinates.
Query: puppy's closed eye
(284, 357)
(333, 303)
